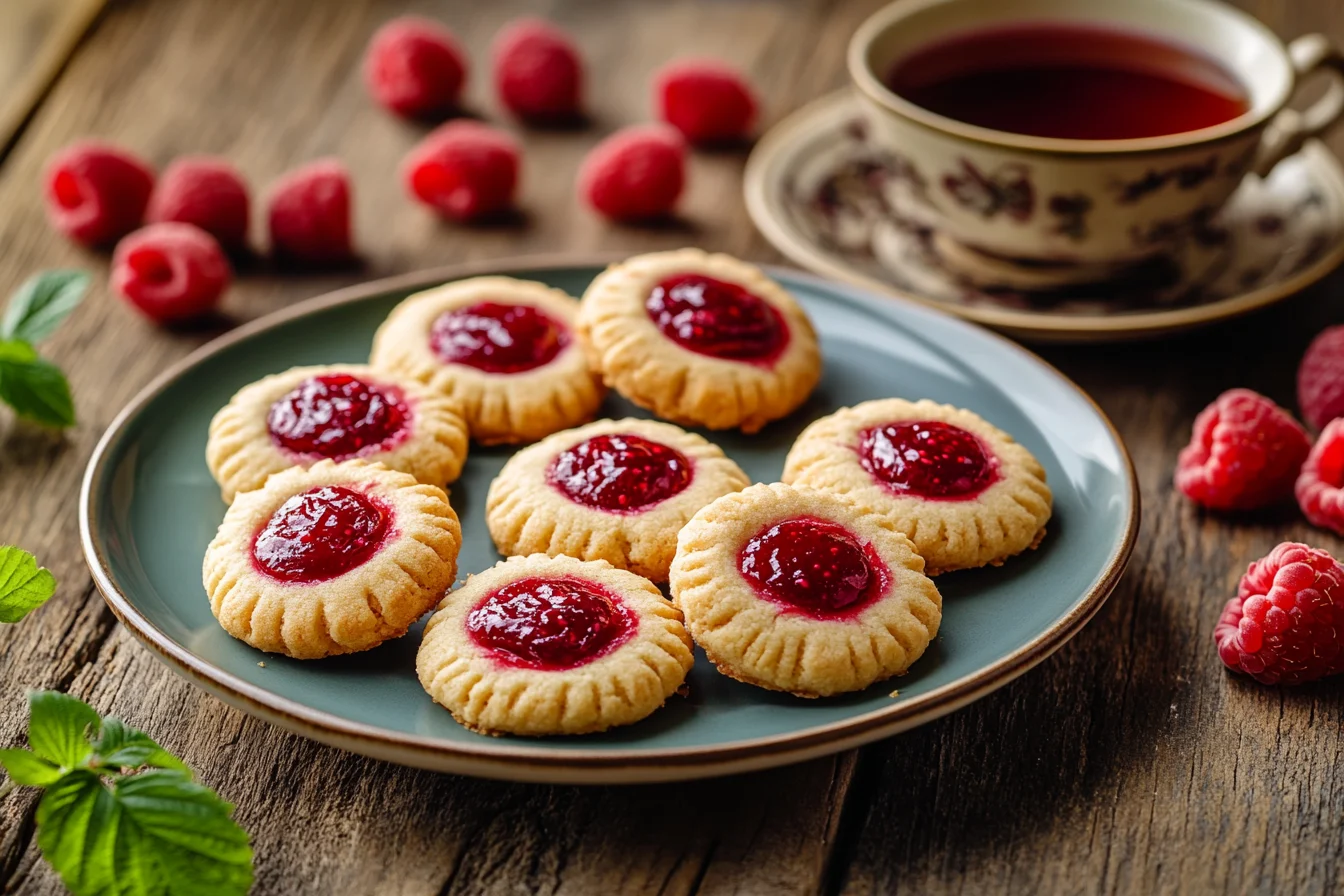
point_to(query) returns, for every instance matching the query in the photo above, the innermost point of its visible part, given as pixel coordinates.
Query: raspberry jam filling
(550, 623)
(620, 473)
(929, 459)
(813, 566)
(338, 416)
(498, 338)
(718, 319)
(320, 534)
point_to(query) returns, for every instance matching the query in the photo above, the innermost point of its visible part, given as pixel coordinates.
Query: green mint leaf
(121, 746)
(59, 726)
(29, 769)
(153, 833)
(34, 388)
(41, 303)
(24, 586)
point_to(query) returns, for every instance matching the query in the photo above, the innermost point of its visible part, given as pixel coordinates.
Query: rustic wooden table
(1128, 762)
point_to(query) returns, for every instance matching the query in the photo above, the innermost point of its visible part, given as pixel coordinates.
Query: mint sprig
(24, 586)
(35, 388)
(120, 815)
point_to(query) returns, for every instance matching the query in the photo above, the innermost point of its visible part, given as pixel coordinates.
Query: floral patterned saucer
(837, 204)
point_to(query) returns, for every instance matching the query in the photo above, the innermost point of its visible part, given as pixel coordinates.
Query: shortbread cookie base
(1005, 519)
(361, 609)
(618, 688)
(499, 407)
(680, 385)
(241, 453)
(526, 514)
(757, 641)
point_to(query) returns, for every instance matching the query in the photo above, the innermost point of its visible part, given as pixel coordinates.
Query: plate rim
(780, 141)
(500, 758)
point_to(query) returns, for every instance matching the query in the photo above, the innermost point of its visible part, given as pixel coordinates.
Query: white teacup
(1089, 203)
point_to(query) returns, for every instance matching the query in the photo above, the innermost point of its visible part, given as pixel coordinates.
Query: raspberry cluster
(468, 171)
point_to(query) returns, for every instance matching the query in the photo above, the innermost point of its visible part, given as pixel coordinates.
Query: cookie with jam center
(503, 350)
(336, 412)
(700, 339)
(332, 559)
(797, 590)
(963, 490)
(614, 490)
(553, 645)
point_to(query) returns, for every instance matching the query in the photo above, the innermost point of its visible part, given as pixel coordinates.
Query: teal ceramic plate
(149, 508)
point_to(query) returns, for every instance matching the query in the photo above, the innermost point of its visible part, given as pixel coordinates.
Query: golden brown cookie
(700, 339)
(961, 489)
(614, 490)
(337, 412)
(553, 645)
(331, 559)
(797, 590)
(503, 350)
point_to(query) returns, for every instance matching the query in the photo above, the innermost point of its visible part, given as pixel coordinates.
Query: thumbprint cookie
(960, 488)
(331, 559)
(614, 490)
(339, 412)
(700, 339)
(797, 590)
(553, 645)
(502, 349)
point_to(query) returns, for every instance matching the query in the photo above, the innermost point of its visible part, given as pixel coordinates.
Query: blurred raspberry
(170, 271)
(308, 214)
(1320, 378)
(464, 170)
(415, 68)
(637, 173)
(538, 72)
(1319, 491)
(1246, 452)
(1286, 623)
(205, 191)
(95, 192)
(707, 101)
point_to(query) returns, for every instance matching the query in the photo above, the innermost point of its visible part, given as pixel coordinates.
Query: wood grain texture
(1128, 763)
(37, 37)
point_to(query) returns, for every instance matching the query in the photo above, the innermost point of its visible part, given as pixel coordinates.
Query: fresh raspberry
(636, 173)
(538, 72)
(464, 170)
(205, 191)
(707, 101)
(1320, 485)
(1286, 623)
(96, 192)
(1320, 378)
(170, 271)
(1245, 453)
(415, 68)
(308, 213)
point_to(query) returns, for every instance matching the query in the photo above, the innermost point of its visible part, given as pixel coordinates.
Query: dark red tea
(1073, 81)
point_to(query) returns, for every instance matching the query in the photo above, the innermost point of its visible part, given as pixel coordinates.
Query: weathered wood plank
(36, 39)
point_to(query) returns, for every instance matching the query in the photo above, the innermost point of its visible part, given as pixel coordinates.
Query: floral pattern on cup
(1183, 177)
(860, 203)
(1006, 189)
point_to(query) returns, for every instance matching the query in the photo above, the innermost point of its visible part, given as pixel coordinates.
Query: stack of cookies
(340, 535)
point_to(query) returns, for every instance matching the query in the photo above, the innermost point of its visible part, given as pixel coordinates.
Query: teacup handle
(1290, 128)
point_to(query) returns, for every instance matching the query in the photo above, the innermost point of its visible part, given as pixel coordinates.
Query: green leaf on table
(121, 746)
(27, 768)
(41, 303)
(59, 726)
(33, 387)
(157, 832)
(24, 586)
(121, 816)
